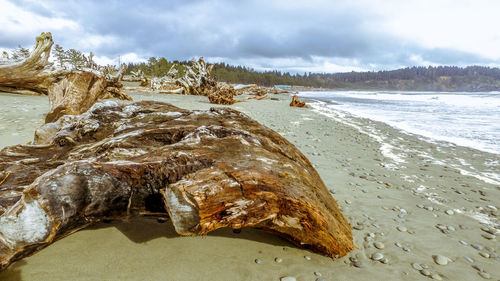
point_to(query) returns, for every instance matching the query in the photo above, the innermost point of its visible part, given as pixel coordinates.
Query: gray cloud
(236, 31)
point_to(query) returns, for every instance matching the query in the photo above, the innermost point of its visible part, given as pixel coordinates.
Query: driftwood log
(69, 91)
(296, 102)
(205, 169)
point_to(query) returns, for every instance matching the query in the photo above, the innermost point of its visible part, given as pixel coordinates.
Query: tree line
(437, 78)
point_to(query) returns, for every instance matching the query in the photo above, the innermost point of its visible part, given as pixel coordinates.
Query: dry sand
(394, 188)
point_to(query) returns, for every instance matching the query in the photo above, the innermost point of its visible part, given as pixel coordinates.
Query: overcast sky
(288, 35)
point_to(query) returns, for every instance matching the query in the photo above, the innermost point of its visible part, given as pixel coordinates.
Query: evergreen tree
(20, 53)
(75, 58)
(60, 55)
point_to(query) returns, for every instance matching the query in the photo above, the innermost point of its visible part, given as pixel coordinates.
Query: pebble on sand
(468, 259)
(258, 261)
(436, 276)
(485, 275)
(377, 256)
(416, 266)
(477, 246)
(402, 228)
(440, 259)
(425, 272)
(450, 212)
(488, 236)
(278, 260)
(307, 258)
(484, 255)
(379, 245)
(288, 278)
(358, 264)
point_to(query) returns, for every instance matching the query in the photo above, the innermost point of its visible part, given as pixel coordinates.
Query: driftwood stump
(79, 90)
(296, 102)
(206, 169)
(222, 94)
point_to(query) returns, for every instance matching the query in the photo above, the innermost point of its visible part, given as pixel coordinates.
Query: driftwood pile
(203, 169)
(69, 91)
(196, 81)
(138, 76)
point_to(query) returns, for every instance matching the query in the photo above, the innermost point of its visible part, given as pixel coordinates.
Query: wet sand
(411, 198)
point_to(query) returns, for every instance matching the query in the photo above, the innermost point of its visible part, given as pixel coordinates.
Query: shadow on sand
(143, 229)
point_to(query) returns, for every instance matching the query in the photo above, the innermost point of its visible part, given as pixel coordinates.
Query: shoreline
(409, 208)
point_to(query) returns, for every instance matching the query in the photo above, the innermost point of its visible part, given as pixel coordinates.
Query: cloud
(298, 36)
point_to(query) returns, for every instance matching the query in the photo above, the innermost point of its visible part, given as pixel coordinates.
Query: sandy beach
(420, 209)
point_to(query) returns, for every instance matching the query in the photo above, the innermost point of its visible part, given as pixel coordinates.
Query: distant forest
(440, 78)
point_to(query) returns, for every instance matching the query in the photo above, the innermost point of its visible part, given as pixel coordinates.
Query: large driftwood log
(35, 74)
(206, 169)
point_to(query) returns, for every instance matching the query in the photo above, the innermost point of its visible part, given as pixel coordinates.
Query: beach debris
(69, 91)
(296, 102)
(205, 169)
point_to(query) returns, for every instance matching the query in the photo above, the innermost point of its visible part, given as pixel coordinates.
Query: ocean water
(466, 119)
